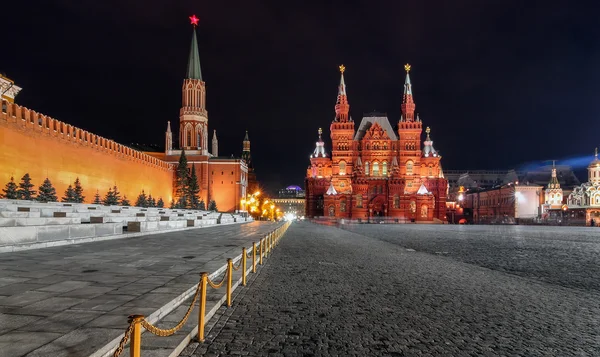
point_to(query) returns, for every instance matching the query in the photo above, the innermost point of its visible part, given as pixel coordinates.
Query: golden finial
(342, 69)
(427, 130)
(407, 67)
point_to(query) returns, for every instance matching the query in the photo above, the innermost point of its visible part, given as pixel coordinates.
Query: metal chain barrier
(136, 322)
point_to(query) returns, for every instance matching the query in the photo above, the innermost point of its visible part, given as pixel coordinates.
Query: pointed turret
(553, 179)
(428, 149)
(320, 146)
(594, 170)
(193, 67)
(215, 144)
(341, 106)
(554, 193)
(408, 104)
(168, 138)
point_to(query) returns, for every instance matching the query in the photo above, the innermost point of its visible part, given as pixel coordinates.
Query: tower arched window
(409, 167)
(367, 168)
(342, 167)
(430, 171)
(189, 138)
(358, 200)
(384, 171)
(396, 201)
(375, 168)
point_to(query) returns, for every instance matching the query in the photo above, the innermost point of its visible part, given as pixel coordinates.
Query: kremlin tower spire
(341, 106)
(168, 138)
(408, 104)
(193, 117)
(215, 144)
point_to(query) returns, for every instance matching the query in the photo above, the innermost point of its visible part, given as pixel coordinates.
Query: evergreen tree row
(187, 188)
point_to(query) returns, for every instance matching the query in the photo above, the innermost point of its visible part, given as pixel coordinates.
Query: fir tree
(97, 199)
(193, 189)
(69, 196)
(25, 192)
(202, 206)
(212, 206)
(142, 200)
(79, 197)
(160, 203)
(108, 198)
(151, 201)
(47, 192)
(181, 182)
(10, 192)
(125, 201)
(116, 194)
(172, 205)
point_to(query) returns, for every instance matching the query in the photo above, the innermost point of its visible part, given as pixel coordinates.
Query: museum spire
(408, 105)
(428, 149)
(341, 106)
(193, 68)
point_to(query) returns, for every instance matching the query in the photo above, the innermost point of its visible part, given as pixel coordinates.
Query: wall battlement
(28, 120)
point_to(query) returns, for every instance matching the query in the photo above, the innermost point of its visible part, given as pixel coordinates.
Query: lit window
(342, 167)
(376, 169)
(367, 168)
(409, 167)
(358, 200)
(384, 169)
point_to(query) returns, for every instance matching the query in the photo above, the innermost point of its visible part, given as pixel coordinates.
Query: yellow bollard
(244, 266)
(202, 303)
(136, 335)
(229, 280)
(253, 257)
(261, 251)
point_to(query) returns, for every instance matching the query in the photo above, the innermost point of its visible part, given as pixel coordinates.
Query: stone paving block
(62, 322)
(76, 343)
(19, 343)
(18, 288)
(25, 298)
(13, 322)
(64, 286)
(11, 280)
(49, 306)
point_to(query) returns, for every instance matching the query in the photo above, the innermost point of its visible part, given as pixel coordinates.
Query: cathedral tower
(193, 117)
(342, 135)
(554, 194)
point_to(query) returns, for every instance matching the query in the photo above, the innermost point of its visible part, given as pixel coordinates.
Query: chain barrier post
(244, 266)
(229, 280)
(202, 305)
(136, 335)
(261, 251)
(253, 257)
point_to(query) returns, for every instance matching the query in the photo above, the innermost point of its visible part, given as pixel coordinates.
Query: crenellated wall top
(26, 119)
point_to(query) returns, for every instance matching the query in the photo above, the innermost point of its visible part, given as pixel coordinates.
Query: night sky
(500, 83)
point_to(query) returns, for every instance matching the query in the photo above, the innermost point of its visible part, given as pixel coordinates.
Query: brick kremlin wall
(44, 147)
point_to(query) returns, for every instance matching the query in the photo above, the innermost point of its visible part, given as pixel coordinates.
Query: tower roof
(246, 136)
(320, 147)
(193, 68)
(214, 136)
(595, 162)
(342, 88)
(407, 84)
(553, 179)
(428, 149)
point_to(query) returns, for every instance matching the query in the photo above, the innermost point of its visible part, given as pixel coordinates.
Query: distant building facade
(375, 171)
(291, 199)
(585, 199)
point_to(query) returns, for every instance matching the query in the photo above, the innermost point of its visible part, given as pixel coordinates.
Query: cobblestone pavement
(71, 300)
(330, 292)
(566, 256)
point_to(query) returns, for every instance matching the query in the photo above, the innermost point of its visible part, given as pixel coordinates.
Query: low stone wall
(34, 235)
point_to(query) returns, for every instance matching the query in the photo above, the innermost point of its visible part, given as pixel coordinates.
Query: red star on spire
(194, 20)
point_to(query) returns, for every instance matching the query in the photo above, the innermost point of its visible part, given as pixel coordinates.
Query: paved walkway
(72, 300)
(330, 292)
